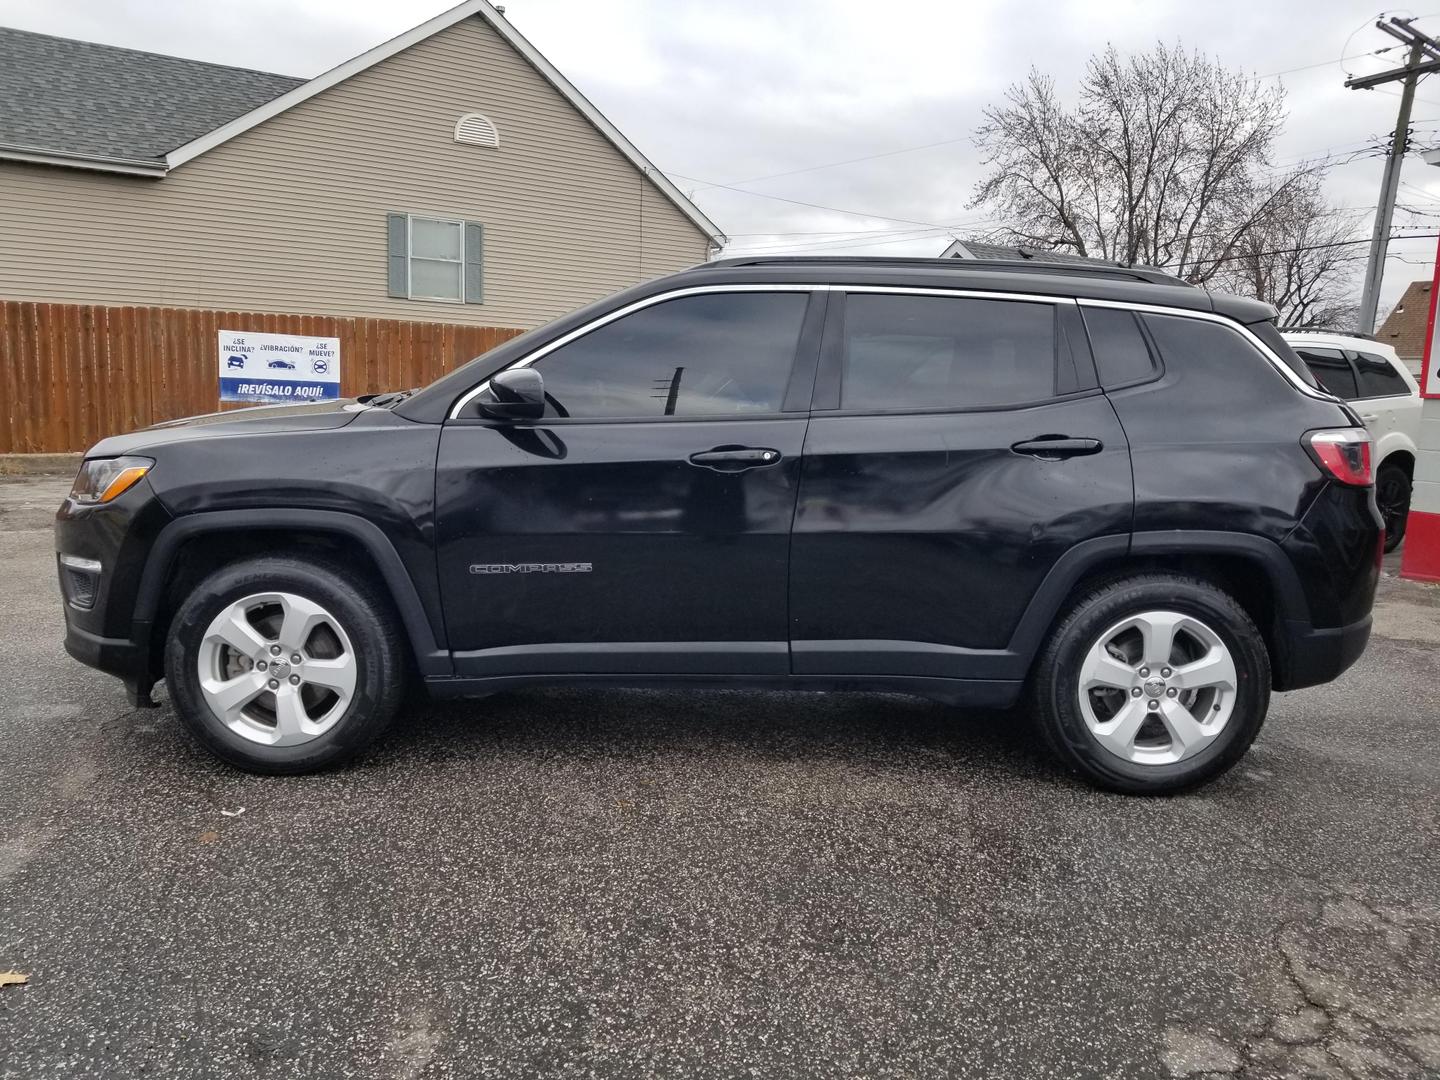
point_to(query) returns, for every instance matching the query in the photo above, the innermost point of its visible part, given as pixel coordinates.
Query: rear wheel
(280, 665)
(1152, 684)
(1392, 496)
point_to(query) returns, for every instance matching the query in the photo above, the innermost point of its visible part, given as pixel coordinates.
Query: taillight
(1343, 453)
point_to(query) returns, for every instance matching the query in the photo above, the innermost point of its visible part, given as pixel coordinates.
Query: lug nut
(274, 684)
(295, 659)
(1135, 692)
(1154, 704)
(261, 665)
(1144, 672)
(1171, 692)
(294, 680)
(274, 650)
(1164, 672)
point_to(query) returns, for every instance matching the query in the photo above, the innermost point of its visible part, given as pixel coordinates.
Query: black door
(957, 450)
(643, 525)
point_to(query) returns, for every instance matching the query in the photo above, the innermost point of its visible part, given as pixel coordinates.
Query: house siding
(289, 217)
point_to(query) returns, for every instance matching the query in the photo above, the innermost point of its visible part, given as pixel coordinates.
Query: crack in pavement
(1359, 999)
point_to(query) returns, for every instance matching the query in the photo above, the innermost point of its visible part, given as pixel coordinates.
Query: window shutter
(474, 262)
(397, 227)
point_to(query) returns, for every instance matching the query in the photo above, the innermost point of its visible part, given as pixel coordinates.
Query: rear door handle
(1055, 447)
(730, 459)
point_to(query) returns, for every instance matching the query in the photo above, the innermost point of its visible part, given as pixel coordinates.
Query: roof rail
(1329, 330)
(975, 266)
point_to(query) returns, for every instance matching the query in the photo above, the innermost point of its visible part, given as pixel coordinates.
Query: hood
(255, 420)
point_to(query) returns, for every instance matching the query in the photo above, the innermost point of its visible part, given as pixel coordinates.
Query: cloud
(740, 89)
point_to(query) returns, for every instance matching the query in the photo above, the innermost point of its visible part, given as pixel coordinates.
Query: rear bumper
(1312, 656)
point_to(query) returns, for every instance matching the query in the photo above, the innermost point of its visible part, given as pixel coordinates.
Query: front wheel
(1152, 684)
(283, 665)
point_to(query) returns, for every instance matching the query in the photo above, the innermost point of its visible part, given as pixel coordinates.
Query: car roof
(1135, 285)
(1339, 341)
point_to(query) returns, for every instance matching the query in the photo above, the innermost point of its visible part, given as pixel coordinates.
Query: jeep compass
(1113, 500)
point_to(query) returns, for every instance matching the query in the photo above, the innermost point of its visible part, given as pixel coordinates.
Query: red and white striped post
(1420, 558)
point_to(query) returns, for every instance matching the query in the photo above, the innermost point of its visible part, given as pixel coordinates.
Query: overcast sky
(729, 91)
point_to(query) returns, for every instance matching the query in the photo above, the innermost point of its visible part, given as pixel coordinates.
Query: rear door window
(1378, 377)
(936, 352)
(1330, 369)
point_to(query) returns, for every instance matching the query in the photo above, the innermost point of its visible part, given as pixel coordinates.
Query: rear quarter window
(1267, 333)
(1213, 354)
(1378, 377)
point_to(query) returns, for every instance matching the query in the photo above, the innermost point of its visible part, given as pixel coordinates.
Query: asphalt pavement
(709, 884)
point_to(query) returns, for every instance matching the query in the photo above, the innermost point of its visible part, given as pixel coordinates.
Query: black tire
(1392, 496)
(367, 621)
(1056, 680)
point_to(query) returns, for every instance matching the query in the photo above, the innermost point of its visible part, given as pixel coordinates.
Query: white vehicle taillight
(1344, 454)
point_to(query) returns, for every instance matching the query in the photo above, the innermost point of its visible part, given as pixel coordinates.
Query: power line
(816, 206)
(837, 164)
(1327, 63)
(857, 242)
(1313, 247)
(786, 248)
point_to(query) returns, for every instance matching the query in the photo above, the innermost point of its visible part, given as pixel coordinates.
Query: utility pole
(1423, 59)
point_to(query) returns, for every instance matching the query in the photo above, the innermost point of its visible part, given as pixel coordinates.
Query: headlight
(102, 479)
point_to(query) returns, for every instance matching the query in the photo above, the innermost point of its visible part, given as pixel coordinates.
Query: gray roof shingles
(984, 251)
(87, 100)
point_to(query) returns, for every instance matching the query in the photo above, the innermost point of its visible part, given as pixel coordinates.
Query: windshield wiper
(387, 400)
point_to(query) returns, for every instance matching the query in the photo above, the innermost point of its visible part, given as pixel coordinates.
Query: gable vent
(476, 128)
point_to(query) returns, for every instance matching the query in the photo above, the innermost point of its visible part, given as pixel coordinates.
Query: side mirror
(514, 394)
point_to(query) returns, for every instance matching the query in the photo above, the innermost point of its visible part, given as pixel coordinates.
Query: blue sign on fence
(278, 367)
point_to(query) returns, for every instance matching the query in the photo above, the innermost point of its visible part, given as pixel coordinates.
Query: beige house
(451, 176)
(284, 205)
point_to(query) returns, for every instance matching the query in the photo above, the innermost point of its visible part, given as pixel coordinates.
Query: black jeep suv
(1120, 498)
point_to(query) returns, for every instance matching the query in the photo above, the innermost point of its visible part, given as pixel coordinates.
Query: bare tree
(1299, 258)
(1165, 161)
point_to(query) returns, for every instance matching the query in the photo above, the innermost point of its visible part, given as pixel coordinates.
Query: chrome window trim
(905, 290)
(619, 313)
(1240, 328)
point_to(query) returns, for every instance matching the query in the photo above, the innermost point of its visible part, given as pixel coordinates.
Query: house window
(436, 258)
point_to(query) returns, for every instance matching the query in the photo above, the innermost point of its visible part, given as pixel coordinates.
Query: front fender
(426, 634)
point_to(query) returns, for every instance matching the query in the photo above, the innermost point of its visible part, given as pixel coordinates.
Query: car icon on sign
(235, 361)
(281, 364)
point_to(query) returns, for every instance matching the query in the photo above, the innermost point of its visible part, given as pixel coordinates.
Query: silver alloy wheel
(1157, 688)
(277, 669)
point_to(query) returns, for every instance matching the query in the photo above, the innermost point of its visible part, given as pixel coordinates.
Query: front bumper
(100, 628)
(116, 656)
(1311, 657)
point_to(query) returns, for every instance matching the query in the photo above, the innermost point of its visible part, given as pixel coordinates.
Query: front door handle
(1055, 447)
(731, 459)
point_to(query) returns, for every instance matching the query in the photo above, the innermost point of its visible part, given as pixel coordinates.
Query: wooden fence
(71, 374)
